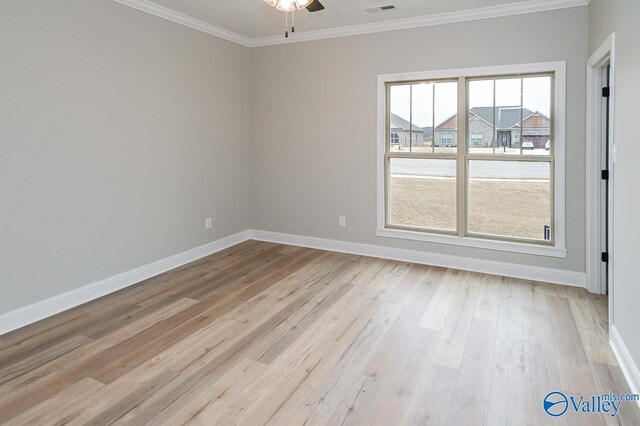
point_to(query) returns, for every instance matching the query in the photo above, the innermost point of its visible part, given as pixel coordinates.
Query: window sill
(508, 246)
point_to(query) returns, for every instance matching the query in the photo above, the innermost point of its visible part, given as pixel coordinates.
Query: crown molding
(531, 6)
(182, 19)
(521, 8)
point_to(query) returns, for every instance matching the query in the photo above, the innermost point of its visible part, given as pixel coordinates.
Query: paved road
(477, 169)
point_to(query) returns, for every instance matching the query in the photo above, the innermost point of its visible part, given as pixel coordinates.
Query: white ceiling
(254, 19)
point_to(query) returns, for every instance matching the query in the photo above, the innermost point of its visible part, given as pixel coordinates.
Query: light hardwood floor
(265, 333)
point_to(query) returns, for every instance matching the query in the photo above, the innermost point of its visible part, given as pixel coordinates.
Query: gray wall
(119, 134)
(318, 161)
(622, 17)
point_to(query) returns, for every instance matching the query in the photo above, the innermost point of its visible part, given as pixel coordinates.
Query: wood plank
(398, 397)
(281, 390)
(455, 330)
(133, 352)
(43, 383)
(445, 299)
(573, 366)
(345, 381)
(46, 355)
(265, 333)
(593, 330)
(508, 398)
(609, 378)
(55, 410)
(435, 396)
(206, 402)
(473, 387)
(541, 365)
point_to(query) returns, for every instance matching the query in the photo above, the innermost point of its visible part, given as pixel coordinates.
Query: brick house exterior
(536, 128)
(446, 133)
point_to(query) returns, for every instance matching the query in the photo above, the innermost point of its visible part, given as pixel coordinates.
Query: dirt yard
(499, 207)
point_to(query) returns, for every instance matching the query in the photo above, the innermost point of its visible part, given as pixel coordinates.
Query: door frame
(603, 56)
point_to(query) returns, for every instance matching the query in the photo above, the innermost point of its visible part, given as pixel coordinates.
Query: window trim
(397, 138)
(450, 135)
(476, 133)
(558, 170)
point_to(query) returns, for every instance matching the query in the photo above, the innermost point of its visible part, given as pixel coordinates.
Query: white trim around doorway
(602, 57)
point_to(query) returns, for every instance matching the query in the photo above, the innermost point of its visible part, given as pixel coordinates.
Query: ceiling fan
(291, 6)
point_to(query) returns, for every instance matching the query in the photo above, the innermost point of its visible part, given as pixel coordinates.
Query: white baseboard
(46, 308)
(556, 276)
(627, 365)
(62, 302)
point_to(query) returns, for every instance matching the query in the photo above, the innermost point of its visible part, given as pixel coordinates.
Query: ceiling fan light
(293, 5)
(286, 5)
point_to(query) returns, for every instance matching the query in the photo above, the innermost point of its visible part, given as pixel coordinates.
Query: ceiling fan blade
(315, 6)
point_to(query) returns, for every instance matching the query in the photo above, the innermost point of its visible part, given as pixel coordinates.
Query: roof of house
(506, 117)
(404, 124)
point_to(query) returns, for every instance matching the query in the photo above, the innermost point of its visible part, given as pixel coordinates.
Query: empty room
(319, 212)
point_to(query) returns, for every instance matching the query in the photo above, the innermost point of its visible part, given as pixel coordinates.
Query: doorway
(605, 172)
(601, 153)
(504, 139)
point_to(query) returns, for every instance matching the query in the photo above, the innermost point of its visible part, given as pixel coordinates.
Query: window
(395, 139)
(447, 138)
(476, 139)
(503, 188)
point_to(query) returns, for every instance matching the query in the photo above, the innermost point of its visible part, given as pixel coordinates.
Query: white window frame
(397, 138)
(559, 101)
(476, 133)
(448, 135)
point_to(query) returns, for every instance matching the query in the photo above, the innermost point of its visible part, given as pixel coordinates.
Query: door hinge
(605, 257)
(605, 92)
(604, 175)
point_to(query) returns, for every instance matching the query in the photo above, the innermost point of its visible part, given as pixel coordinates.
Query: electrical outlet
(342, 221)
(207, 223)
